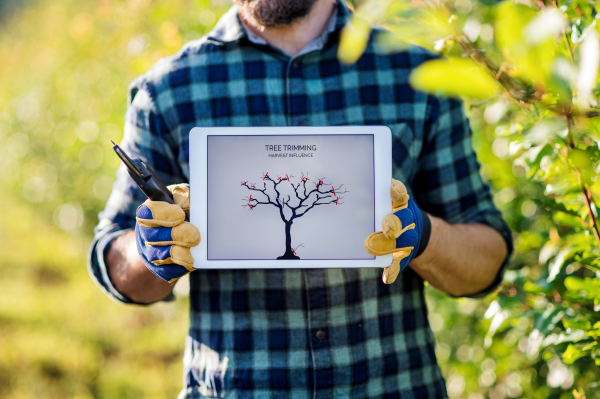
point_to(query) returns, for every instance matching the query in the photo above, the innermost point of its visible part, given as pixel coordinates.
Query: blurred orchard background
(528, 73)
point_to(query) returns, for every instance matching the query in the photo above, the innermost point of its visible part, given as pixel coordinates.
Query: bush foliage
(528, 73)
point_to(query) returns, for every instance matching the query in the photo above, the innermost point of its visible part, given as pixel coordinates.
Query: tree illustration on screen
(293, 200)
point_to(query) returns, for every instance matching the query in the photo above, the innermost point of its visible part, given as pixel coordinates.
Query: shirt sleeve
(447, 183)
(146, 137)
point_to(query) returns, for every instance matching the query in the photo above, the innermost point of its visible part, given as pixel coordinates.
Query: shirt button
(296, 64)
(320, 335)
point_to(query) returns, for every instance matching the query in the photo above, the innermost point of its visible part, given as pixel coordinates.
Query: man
(320, 332)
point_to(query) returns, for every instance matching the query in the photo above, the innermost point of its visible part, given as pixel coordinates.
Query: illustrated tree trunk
(289, 254)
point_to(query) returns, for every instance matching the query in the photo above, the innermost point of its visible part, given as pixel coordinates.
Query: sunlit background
(64, 70)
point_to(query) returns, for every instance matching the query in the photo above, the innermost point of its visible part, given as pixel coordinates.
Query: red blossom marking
(333, 190)
(266, 175)
(294, 251)
(336, 200)
(244, 183)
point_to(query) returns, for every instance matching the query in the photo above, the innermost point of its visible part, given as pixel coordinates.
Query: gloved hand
(405, 233)
(164, 237)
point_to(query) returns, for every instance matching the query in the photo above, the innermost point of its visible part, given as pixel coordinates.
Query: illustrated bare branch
(276, 192)
(322, 194)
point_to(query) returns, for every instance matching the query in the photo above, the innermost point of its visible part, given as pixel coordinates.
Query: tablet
(289, 197)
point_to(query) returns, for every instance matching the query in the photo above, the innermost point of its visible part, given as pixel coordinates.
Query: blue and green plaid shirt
(317, 333)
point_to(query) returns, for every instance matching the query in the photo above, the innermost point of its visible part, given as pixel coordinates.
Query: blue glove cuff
(413, 237)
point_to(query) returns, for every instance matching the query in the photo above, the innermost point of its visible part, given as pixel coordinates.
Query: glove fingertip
(398, 193)
(182, 256)
(391, 272)
(186, 233)
(391, 226)
(181, 195)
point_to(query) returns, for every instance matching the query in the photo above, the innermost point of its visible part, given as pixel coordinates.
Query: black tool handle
(144, 177)
(154, 189)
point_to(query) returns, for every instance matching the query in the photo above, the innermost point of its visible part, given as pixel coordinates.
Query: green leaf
(575, 283)
(498, 314)
(532, 288)
(557, 206)
(546, 321)
(547, 252)
(534, 155)
(533, 58)
(577, 324)
(596, 356)
(590, 262)
(575, 352)
(584, 160)
(580, 158)
(557, 339)
(353, 41)
(510, 22)
(589, 287)
(589, 346)
(563, 185)
(559, 261)
(565, 219)
(456, 77)
(594, 331)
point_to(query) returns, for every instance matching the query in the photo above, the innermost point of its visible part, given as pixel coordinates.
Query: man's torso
(295, 333)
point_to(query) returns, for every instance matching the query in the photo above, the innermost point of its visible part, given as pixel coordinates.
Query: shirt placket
(317, 313)
(315, 279)
(296, 97)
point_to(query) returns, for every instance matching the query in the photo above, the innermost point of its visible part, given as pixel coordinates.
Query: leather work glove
(164, 237)
(405, 233)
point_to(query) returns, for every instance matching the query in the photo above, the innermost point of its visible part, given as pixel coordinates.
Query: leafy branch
(540, 69)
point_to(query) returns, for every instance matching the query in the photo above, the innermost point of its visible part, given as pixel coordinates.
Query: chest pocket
(405, 151)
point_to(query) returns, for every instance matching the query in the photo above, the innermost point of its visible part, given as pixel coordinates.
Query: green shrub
(528, 72)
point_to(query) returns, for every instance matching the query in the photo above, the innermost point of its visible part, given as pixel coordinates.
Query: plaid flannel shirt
(318, 333)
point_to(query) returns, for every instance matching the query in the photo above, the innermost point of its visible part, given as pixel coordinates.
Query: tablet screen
(288, 197)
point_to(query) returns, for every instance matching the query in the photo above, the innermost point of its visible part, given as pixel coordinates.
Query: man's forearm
(130, 276)
(461, 259)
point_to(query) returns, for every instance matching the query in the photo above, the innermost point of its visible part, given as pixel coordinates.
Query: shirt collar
(229, 28)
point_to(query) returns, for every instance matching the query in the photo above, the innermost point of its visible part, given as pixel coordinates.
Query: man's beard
(272, 13)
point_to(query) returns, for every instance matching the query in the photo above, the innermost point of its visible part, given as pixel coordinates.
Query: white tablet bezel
(382, 145)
